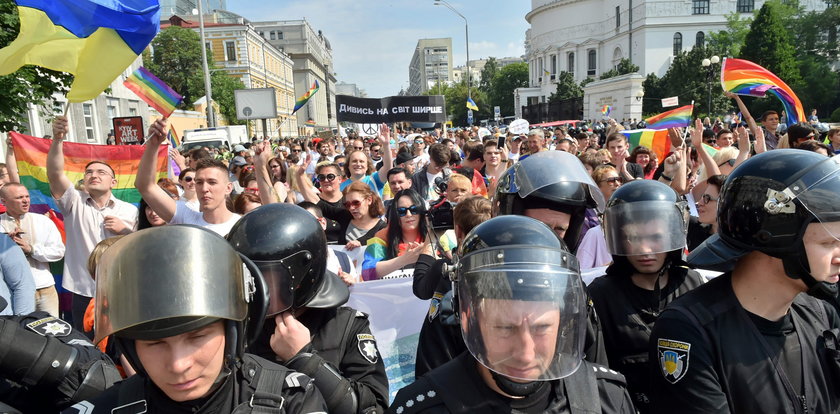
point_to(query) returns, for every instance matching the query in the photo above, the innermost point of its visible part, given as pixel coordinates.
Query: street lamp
(640, 95)
(708, 64)
(211, 115)
(467, 30)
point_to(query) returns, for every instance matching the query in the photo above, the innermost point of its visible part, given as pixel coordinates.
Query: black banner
(391, 109)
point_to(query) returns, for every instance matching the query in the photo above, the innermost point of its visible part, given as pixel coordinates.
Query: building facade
(311, 54)
(350, 89)
(185, 7)
(476, 66)
(431, 64)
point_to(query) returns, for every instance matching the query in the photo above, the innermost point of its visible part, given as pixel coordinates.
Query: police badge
(673, 359)
(367, 347)
(50, 326)
(434, 306)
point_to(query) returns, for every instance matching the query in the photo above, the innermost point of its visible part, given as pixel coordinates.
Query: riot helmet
(290, 248)
(521, 301)
(767, 203)
(645, 217)
(170, 280)
(554, 180)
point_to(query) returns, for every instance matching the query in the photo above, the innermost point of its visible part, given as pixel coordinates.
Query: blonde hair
(460, 180)
(98, 251)
(723, 155)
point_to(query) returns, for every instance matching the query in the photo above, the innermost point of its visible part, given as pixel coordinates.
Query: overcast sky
(373, 40)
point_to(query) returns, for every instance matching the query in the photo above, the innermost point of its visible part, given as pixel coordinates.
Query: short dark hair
(113, 174)
(615, 136)
(768, 113)
(310, 206)
(184, 172)
(724, 131)
(397, 170)
(198, 154)
(205, 163)
(440, 154)
(799, 131)
(809, 145)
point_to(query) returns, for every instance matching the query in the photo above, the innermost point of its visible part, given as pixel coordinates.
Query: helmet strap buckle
(780, 202)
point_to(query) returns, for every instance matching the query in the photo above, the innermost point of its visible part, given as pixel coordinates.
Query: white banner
(672, 101)
(396, 316)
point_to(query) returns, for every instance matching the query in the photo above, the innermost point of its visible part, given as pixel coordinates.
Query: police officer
(522, 313)
(177, 300)
(645, 225)
(554, 188)
(751, 341)
(45, 366)
(310, 331)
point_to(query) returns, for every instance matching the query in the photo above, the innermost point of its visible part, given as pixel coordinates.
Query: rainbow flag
(153, 91)
(305, 98)
(675, 118)
(743, 77)
(655, 139)
(310, 123)
(605, 110)
(172, 136)
(94, 40)
(31, 154)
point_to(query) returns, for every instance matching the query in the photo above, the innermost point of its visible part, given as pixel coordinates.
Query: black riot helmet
(767, 203)
(554, 180)
(289, 246)
(514, 278)
(643, 217)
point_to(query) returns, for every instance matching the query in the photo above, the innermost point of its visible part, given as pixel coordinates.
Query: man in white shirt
(90, 216)
(212, 187)
(38, 238)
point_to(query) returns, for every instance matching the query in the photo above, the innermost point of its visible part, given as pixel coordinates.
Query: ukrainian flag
(95, 40)
(471, 104)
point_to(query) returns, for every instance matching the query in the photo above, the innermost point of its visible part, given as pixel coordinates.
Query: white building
(431, 64)
(587, 38)
(476, 66)
(350, 89)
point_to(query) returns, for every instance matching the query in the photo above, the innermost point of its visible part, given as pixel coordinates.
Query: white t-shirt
(186, 215)
(432, 194)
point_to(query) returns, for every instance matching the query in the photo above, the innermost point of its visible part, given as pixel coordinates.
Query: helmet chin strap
(516, 389)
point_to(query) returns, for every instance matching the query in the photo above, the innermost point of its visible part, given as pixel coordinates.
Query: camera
(440, 212)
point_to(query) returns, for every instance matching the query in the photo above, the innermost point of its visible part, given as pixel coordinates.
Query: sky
(373, 40)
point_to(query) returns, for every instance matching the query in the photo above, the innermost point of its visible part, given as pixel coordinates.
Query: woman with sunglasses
(702, 227)
(186, 179)
(361, 221)
(592, 251)
(400, 244)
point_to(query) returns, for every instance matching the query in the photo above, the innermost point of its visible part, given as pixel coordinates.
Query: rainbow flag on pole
(743, 77)
(153, 91)
(675, 118)
(94, 40)
(31, 154)
(605, 110)
(655, 139)
(306, 97)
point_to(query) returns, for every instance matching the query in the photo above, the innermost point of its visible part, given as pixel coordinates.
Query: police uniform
(711, 355)
(457, 387)
(628, 313)
(342, 339)
(280, 391)
(46, 366)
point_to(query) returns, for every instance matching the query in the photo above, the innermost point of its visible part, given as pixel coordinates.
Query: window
(746, 6)
(700, 7)
(230, 51)
(279, 35)
(591, 62)
(132, 108)
(677, 43)
(617, 16)
(571, 63)
(272, 35)
(553, 59)
(700, 40)
(540, 69)
(87, 110)
(113, 108)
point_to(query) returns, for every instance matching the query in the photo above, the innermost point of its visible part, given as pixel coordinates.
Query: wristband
(666, 177)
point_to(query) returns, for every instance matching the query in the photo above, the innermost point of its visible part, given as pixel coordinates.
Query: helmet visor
(645, 228)
(524, 318)
(279, 281)
(550, 175)
(818, 191)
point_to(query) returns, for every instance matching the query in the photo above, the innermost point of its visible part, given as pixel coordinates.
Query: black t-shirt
(784, 346)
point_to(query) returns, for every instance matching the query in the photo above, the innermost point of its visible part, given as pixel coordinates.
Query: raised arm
(160, 202)
(59, 183)
(304, 184)
(11, 162)
(697, 142)
(387, 158)
(268, 194)
(743, 146)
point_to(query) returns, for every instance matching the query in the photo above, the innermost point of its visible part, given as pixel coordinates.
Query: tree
(687, 79)
(491, 68)
(29, 84)
(222, 87)
(505, 83)
(456, 102)
(567, 88)
(624, 67)
(768, 44)
(730, 41)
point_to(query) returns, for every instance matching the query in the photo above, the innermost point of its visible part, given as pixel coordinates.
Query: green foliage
(689, 80)
(624, 67)
(504, 83)
(729, 42)
(835, 116)
(222, 86)
(491, 68)
(28, 84)
(768, 44)
(456, 102)
(567, 88)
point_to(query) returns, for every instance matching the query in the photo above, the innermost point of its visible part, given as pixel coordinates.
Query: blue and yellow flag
(471, 104)
(95, 40)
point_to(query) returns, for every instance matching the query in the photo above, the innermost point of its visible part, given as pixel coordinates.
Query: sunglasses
(249, 168)
(341, 164)
(706, 199)
(352, 204)
(730, 162)
(402, 211)
(297, 150)
(188, 179)
(274, 165)
(611, 179)
(358, 148)
(711, 142)
(328, 177)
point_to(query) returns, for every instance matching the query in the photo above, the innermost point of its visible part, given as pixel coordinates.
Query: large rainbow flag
(94, 40)
(675, 118)
(305, 98)
(31, 154)
(153, 91)
(743, 77)
(655, 139)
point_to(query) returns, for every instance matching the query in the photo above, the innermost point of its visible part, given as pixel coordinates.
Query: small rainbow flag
(310, 123)
(605, 110)
(153, 91)
(471, 104)
(675, 118)
(305, 98)
(172, 136)
(655, 139)
(31, 154)
(743, 77)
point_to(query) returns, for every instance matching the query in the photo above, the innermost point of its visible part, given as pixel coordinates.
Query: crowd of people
(565, 272)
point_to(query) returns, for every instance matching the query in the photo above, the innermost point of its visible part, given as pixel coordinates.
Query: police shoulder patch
(434, 306)
(50, 326)
(673, 358)
(367, 347)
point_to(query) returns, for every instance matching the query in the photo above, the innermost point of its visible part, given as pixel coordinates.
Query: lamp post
(211, 115)
(709, 63)
(467, 31)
